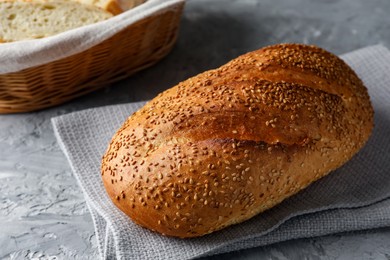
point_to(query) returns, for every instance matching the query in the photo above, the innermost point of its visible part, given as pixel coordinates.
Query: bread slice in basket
(21, 20)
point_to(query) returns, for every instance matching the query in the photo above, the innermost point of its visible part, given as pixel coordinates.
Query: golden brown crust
(113, 7)
(229, 143)
(119, 6)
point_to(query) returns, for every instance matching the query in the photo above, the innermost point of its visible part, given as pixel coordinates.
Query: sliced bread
(113, 6)
(21, 20)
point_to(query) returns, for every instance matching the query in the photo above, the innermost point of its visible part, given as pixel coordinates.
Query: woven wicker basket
(135, 48)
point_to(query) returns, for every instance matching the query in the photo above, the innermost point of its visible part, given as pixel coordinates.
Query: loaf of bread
(229, 143)
(21, 20)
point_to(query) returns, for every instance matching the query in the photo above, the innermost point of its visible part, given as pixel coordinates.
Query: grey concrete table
(42, 211)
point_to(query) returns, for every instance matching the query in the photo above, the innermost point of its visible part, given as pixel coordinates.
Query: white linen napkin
(354, 197)
(30, 53)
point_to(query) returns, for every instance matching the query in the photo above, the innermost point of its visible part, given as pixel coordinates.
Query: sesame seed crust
(229, 143)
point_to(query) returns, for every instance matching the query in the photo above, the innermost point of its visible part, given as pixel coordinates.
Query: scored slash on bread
(21, 20)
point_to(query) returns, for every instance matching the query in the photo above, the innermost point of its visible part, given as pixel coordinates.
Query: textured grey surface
(42, 211)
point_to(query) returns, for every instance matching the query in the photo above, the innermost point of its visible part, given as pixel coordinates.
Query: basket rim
(46, 50)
